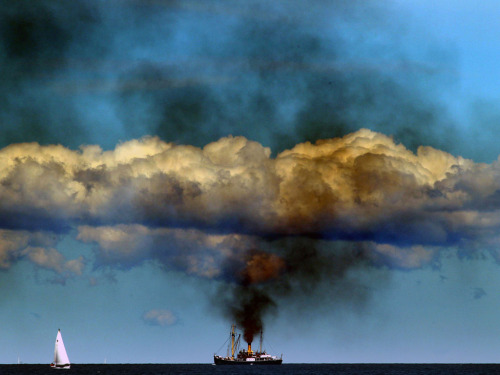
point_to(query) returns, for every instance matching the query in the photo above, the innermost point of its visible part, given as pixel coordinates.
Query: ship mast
(260, 348)
(232, 340)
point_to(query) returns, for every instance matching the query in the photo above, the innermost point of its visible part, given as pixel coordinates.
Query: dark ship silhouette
(246, 357)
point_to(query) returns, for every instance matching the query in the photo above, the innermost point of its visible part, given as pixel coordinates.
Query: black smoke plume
(260, 283)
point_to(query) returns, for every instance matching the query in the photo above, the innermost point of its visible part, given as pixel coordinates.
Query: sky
(326, 171)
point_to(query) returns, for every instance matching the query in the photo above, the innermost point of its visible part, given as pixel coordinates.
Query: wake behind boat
(246, 357)
(61, 360)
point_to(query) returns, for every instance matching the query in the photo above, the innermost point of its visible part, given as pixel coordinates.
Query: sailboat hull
(60, 366)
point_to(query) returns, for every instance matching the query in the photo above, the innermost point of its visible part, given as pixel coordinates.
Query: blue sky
(326, 169)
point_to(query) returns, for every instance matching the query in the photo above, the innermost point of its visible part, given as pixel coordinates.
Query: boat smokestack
(249, 347)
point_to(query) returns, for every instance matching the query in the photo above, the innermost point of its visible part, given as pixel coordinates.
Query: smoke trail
(260, 283)
(248, 307)
(248, 300)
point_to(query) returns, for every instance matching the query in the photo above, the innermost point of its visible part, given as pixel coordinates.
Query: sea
(285, 369)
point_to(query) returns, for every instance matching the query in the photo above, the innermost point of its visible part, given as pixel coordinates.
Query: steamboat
(245, 357)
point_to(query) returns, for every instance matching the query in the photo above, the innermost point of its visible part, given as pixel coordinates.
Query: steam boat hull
(247, 361)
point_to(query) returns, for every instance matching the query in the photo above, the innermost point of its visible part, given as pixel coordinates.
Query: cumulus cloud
(189, 250)
(37, 247)
(266, 225)
(53, 260)
(410, 257)
(158, 317)
(361, 187)
(12, 244)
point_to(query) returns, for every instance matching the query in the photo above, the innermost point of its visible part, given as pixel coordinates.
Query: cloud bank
(267, 227)
(147, 195)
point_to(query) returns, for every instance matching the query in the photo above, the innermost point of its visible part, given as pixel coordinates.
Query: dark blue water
(286, 369)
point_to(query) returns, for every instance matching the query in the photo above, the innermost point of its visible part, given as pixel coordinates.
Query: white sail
(61, 359)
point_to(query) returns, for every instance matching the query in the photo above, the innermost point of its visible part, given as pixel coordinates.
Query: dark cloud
(192, 72)
(284, 78)
(37, 42)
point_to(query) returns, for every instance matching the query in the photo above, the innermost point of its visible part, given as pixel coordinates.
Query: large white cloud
(362, 187)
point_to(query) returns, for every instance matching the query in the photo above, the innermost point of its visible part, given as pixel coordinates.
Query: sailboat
(61, 360)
